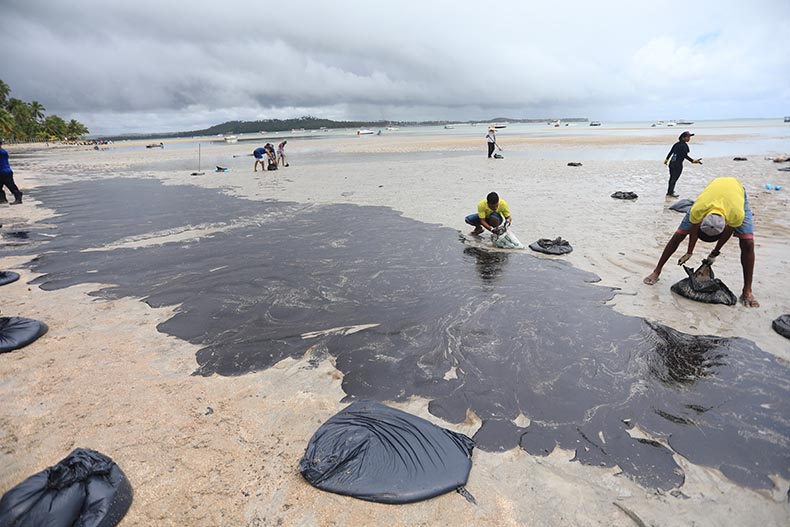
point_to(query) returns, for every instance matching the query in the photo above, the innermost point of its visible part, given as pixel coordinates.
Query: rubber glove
(712, 257)
(685, 258)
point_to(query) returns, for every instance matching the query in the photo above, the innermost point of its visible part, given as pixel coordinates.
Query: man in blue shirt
(259, 153)
(7, 178)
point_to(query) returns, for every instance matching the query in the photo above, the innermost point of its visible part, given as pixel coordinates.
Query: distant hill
(313, 123)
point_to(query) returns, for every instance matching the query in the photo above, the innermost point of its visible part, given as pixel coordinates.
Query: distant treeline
(25, 121)
(314, 123)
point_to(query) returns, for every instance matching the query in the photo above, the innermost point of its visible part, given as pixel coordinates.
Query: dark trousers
(674, 175)
(490, 149)
(7, 180)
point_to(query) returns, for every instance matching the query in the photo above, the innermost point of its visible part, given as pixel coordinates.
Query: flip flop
(749, 302)
(649, 280)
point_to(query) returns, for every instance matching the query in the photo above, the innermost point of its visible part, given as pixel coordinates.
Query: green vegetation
(26, 121)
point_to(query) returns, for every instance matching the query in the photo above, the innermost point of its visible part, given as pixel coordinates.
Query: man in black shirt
(675, 158)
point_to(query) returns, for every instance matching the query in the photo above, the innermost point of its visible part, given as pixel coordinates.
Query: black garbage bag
(555, 246)
(682, 205)
(6, 277)
(739, 159)
(376, 453)
(499, 156)
(624, 195)
(18, 332)
(574, 164)
(701, 285)
(86, 489)
(782, 325)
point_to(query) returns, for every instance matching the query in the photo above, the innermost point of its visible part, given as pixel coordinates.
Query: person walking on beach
(281, 154)
(677, 154)
(7, 178)
(491, 213)
(259, 153)
(491, 140)
(721, 210)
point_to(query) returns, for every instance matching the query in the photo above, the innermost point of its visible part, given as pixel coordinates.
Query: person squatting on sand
(7, 178)
(281, 154)
(720, 211)
(675, 157)
(259, 153)
(491, 213)
(491, 140)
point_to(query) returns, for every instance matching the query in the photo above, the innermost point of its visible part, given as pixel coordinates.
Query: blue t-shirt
(5, 168)
(259, 152)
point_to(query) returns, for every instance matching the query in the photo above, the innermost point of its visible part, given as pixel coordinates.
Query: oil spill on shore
(525, 343)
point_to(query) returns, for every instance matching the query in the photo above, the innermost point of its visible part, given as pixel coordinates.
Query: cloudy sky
(160, 65)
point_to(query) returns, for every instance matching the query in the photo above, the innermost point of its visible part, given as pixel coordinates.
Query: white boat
(364, 131)
(231, 139)
(595, 123)
(393, 128)
(448, 127)
(555, 124)
(670, 123)
(499, 125)
(297, 130)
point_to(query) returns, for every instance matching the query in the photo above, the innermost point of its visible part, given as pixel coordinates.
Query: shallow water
(408, 308)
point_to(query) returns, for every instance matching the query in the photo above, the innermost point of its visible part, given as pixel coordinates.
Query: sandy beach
(224, 450)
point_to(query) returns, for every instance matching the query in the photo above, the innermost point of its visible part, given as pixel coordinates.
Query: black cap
(684, 134)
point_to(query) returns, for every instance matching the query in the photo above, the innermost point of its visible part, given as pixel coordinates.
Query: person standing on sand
(491, 213)
(491, 140)
(7, 178)
(677, 154)
(720, 211)
(281, 154)
(259, 153)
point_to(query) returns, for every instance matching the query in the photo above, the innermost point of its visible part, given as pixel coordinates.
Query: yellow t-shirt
(483, 211)
(723, 196)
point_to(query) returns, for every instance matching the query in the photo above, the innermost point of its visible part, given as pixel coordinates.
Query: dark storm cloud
(105, 62)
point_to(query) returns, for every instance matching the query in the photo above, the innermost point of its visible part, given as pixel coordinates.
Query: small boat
(155, 145)
(297, 130)
(670, 123)
(448, 127)
(499, 125)
(595, 123)
(685, 122)
(393, 128)
(555, 124)
(231, 139)
(787, 119)
(364, 131)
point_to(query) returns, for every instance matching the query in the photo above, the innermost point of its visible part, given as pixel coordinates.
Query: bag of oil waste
(703, 286)
(682, 205)
(6, 277)
(625, 195)
(782, 325)
(376, 453)
(507, 240)
(555, 246)
(86, 489)
(18, 332)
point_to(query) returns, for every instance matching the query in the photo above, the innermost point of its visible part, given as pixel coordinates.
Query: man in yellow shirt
(720, 211)
(490, 210)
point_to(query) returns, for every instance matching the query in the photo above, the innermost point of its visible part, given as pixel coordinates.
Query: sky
(159, 66)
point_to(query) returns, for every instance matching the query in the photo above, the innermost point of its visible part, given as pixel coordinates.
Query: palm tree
(6, 124)
(37, 110)
(4, 91)
(76, 129)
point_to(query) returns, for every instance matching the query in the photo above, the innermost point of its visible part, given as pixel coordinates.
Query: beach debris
(624, 195)
(376, 453)
(6, 277)
(631, 514)
(703, 286)
(155, 145)
(682, 205)
(739, 159)
(784, 169)
(86, 488)
(18, 332)
(782, 325)
(574, 164)
(555, 246)
(221, 169)
(498, 156)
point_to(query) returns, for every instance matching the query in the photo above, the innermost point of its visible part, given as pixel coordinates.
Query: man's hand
(685, 258)
(697, 161)
(666, 161)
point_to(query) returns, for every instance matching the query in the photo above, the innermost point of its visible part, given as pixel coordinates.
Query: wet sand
(224, 450)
